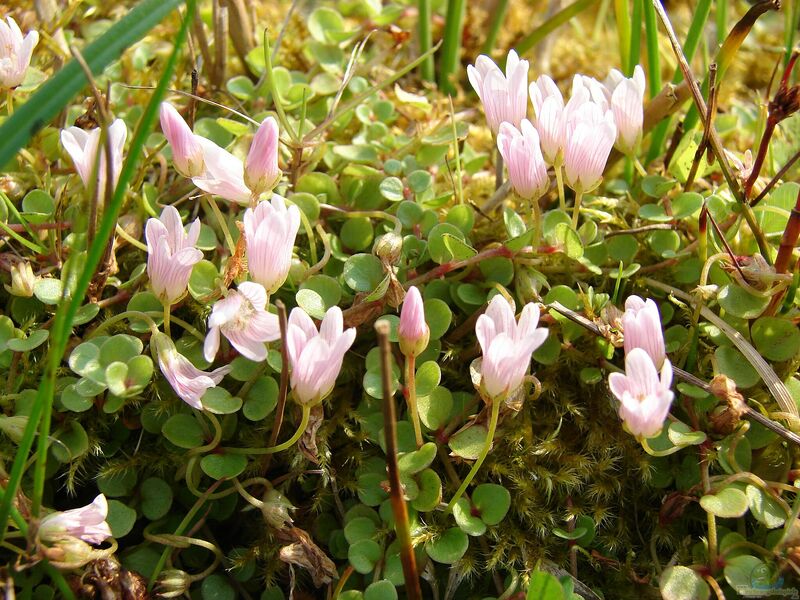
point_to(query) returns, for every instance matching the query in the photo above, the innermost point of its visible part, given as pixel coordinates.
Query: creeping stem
(280, 447)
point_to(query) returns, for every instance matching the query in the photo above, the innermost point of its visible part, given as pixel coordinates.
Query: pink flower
(242, 318)
(171, 254)
(644, 398)
(627, 104)
(523, 157)
(15, 53)
(507, 345)
(82, 146)
(187, 152)
(270, 230)
(413, 331)
(223, 175)
(87, 523)
(261, 171)
(590, 134)
(548, 106)
(504, 97)
(641, 325)
(189, 382)
(316, 356)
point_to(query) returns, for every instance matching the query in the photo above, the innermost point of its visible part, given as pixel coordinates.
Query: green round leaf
(416, 461)
(364, 555)
(449, 547)
(469, 523)
(34, 340)
(438, 246)
(219, 401)
(71, 443)
(741, 303)
(360, 528)
(765, 508)
(460, 215)
(380, 590)
(223, 466)
(468, 443)
(317, 294)
(438, 316)
(120, 518)
(392, 189)
(682, 583)
(776, 338)
(363, 272)
(430, 491)
(145, 302)
(492, 501)
(48, 290)
(203, 280)
(357, 233)
(217, 587)
(183, 430)
(428, 377)
(261, 399)
(434, 409)
(729, 502)
(156, 498)
(732, 363)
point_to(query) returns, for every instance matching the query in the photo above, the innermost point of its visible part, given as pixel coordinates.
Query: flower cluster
(645, 397)
(215, 170)
(578, 134)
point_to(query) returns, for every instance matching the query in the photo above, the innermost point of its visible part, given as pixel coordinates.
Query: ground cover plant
(376, 300)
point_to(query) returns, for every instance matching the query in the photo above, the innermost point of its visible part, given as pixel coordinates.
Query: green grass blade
(693, 36)
(622, 12)
(498, 18)
(636, 39)
(451, 46)
(553, 23)
(425, 38)
(62, 324)
(653, 59)
(791, 16)
(54, 95)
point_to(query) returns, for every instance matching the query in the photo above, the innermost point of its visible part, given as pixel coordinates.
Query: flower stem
(411, 399)
(576, 211)
(481, 457)
(280, 447)
(166, 318)
(222, 224)
(562, 201)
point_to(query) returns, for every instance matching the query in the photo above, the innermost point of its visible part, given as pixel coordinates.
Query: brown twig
(711, 111)
(784, 169)
(643, 229)
(713, 138)
(402, 528)
(785, 251)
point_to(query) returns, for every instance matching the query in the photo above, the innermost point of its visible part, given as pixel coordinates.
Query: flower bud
(22, 280)
(276, 509)
(413, 331)
(261, 171)
(187, 153)
(388, 247)
(173, 583)
(13, 427)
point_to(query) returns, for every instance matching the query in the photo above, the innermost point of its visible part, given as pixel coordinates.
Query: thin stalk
(711, 519)
(459, 175)
(402, 527)
(451, 48)
(553, 23)
(693, 37)
(496, 402)
(166, 318)
(411, 399)
(769, 129)
(284, 387)
(784, 258)
(425, 38)
(784, 169)
(562, 200)
(498, 17)
(498, 169)
(576, 210)
(222, 224)
(306, 408)
(273, 90)
(179, 531)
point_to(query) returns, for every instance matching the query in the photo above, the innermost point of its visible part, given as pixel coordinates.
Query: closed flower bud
(22, 280)
(388, 247)
(187, 152)
(413, 331)
(261, 171)
(173, 583)
(171, 254)
(270, 230)
(641, 326)
(504, 96)
(84, 146)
